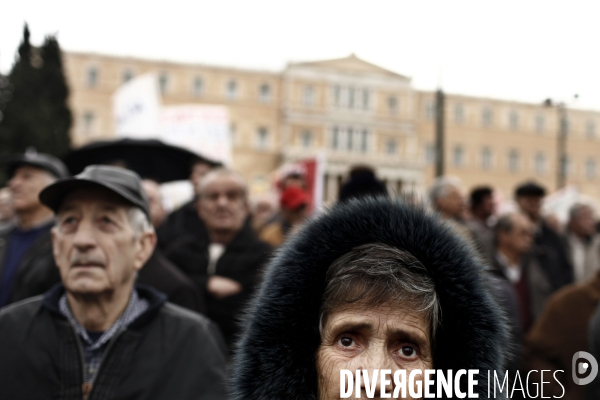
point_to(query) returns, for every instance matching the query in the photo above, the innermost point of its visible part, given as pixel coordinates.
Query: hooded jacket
(276, 354)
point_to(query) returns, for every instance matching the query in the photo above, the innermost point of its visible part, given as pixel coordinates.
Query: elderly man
(447, 198)
(185, 220)
(26, 264)
(549, 248)
(583, 242)
(371, 285)
(227, 267)
(97, 335)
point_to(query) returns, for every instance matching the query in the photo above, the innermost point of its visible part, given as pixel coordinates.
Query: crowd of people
(103, 294)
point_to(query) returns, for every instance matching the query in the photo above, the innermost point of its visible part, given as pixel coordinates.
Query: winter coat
(560, 332)
(166, 353)
(36, 272)
(552, 255)
(275, 358)
(242, 261)
(181, 222)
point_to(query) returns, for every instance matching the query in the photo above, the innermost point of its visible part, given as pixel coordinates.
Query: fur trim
(275, 358)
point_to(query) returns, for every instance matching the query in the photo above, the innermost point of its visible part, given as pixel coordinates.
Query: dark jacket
(276, 354)
(593, 389)
(166, 353)
(164, 276)
(560, 332)
(181, 222)
(242, 261)
(36, 272)
(552, 255)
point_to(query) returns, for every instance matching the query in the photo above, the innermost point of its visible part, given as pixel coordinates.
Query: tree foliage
(35, 113)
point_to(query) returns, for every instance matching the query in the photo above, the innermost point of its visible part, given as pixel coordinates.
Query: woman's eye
(106, 220)
(408, 351)
(346, 341)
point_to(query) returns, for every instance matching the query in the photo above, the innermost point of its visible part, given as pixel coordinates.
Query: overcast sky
(520, 50)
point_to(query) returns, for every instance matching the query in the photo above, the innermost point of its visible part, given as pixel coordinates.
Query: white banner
(199, 128)
(136, 108)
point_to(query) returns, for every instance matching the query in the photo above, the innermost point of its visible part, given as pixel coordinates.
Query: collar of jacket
(275, 357)
(245, 237)
(155, 298)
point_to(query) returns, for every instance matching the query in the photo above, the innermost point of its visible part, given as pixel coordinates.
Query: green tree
(36, 113)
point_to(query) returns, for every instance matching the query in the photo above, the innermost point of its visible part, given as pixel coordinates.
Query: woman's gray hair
(139, 221)
(375, 274)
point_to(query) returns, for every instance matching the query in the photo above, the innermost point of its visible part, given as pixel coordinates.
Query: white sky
(522, 50)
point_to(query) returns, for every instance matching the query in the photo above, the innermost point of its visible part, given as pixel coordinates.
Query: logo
(581, 368)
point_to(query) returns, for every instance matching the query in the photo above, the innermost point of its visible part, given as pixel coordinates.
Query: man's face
(157, 211)
(222, 204)
(531, 206)
(95, 246)
(385, 337)
(26, 184)
(520, 239)
(452, 203)
(584, 223)
(198, 171)
(488, 207)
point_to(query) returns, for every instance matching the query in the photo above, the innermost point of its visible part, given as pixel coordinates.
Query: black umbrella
(150, 158)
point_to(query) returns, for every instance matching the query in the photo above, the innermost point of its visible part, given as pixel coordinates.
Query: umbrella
(150, 158)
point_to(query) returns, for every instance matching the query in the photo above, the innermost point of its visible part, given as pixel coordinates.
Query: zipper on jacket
(81, 360)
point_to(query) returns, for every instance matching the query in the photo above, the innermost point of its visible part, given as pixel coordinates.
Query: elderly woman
(371, 285)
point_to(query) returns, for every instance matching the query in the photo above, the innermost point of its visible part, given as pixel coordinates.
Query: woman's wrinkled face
(385, 337)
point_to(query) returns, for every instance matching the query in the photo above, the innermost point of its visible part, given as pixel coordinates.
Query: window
(335, 138)
(513, 120)
(197, 87)
(233, 134)
(459, 115)
(365, 99)
(351, 98)
(486, 158)
(350, 139)
(231, 89)
(92, 77)
(337, 95)
(513, 161)
(88, 122)
(306, 139)
(458, 156)
(393, 104)
(391, 147)
(539, 123)
(566, 165)
(163, 82)
(564, 124)
(486, 116)
(127, 75)
(262, 140)
(430, 111)
(364, 141)
(265, 93)
(309, 96)
(590, 129)
(540, 163)
(590, 168)
(430, 153)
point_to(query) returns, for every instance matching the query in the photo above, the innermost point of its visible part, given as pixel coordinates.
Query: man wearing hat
(97, 335)
(25, 249)
(549, 249)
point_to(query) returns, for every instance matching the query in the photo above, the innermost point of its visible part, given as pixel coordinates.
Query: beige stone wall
(400, 121)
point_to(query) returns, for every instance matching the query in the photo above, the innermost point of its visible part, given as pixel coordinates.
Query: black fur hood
(275, 358)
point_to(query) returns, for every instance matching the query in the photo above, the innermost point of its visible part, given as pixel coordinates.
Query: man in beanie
(26, 264)
(96, 335)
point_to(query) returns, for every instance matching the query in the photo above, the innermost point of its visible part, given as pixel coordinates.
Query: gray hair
(577, 208)
(217, 172)
(139, 221)
(375, 274)
(441, 186)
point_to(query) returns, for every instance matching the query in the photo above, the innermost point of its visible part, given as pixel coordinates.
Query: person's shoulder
(21, 311)
(575, 294)
(179, 318)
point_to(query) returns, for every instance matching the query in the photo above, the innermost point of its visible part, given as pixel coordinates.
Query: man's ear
(146, 243)
(53, 233)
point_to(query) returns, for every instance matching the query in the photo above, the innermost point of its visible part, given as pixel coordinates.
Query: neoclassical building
(352, 112)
